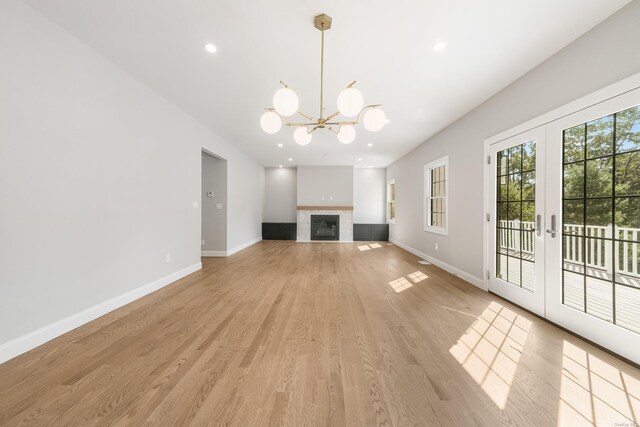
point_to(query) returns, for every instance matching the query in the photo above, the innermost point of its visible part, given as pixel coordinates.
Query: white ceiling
(384, 45)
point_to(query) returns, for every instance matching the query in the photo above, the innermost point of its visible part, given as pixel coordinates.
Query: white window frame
(443, 161)
(389, 219)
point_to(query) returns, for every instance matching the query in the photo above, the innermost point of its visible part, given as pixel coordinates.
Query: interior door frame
(620, 340)
(532, 301)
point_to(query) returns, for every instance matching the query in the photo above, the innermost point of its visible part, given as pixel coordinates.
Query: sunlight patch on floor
(417, 277)
(490, 350)
(400, 284)
(594, 393)
(375, 245)
(364, 248)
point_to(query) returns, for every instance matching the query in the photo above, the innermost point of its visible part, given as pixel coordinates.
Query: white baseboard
(244, 246)
(476, 281)
(22, 344)
(213, 253)
(232, 250)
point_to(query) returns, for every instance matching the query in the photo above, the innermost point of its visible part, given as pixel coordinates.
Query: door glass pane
(601, 218)
(515, 227)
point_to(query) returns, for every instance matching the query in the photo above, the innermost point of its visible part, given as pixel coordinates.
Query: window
(391, 201)
(436, 196)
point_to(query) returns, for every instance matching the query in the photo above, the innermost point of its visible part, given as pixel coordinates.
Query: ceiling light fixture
(290, 159)
(280, 145)
(369, 145)
(439, 46)
(350, 104)
(210, 48)
(280, 166)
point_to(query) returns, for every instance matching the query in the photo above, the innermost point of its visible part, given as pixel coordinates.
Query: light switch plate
(218, 205)
(195, 205)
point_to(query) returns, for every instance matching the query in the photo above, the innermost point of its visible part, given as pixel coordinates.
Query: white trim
(243, 246)
(426, 196)
(604, 94)
(395, 193)
(33, 339)
(213, 254)
(476, 281)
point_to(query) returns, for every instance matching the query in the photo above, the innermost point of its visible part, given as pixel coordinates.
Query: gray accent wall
(100, 178)
(369, 195)
(325, 186)
(280, 194)
(606, 54)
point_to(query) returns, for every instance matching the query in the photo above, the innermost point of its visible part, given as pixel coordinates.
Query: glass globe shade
(347, 134)
(374, 119)
(350, 102)
(302, 136)
(285, 101)
(270, 122)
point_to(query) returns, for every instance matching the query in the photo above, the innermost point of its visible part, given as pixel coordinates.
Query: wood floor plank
(292, 334)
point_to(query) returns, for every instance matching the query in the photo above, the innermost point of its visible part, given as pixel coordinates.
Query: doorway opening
(213, 206)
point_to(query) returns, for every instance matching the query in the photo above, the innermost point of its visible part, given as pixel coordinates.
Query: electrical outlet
(167, 258)
(202, 242)
(436, 246)
(196, 204)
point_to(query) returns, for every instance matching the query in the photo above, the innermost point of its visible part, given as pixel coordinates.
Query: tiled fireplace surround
(304, 221)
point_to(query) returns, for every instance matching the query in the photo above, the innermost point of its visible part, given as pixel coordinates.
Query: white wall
(98, 175)
(214, 219)
(280, 194)
(325, 186)
(369, 195)
(604, 55)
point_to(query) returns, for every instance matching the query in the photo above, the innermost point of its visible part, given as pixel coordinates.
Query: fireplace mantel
(325, 208)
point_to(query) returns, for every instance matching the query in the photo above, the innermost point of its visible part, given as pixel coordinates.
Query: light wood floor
(314, 334)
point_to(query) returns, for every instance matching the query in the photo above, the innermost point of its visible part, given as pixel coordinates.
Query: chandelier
(350, 104)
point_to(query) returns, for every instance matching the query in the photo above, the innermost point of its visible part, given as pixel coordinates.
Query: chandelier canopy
(350, 104)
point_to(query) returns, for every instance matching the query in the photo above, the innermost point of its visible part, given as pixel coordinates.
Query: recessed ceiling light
(280, 166)
(359, 160)
(369, 145)
(439, 46)
(290, 159)
(211, 48)
(370, 166)
(280, 145)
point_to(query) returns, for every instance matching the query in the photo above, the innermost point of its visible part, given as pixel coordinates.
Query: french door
(564, 229)
(593, 194)
(516, 201)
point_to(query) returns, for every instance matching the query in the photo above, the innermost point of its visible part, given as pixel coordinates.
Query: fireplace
(325, 227)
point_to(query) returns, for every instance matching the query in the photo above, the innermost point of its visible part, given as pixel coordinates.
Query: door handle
(553, 230)
(538, 224)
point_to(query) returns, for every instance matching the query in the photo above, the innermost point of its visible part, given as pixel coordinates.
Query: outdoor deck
(599, 293)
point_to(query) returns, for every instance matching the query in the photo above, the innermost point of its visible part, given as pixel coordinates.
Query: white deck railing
(598, 253)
